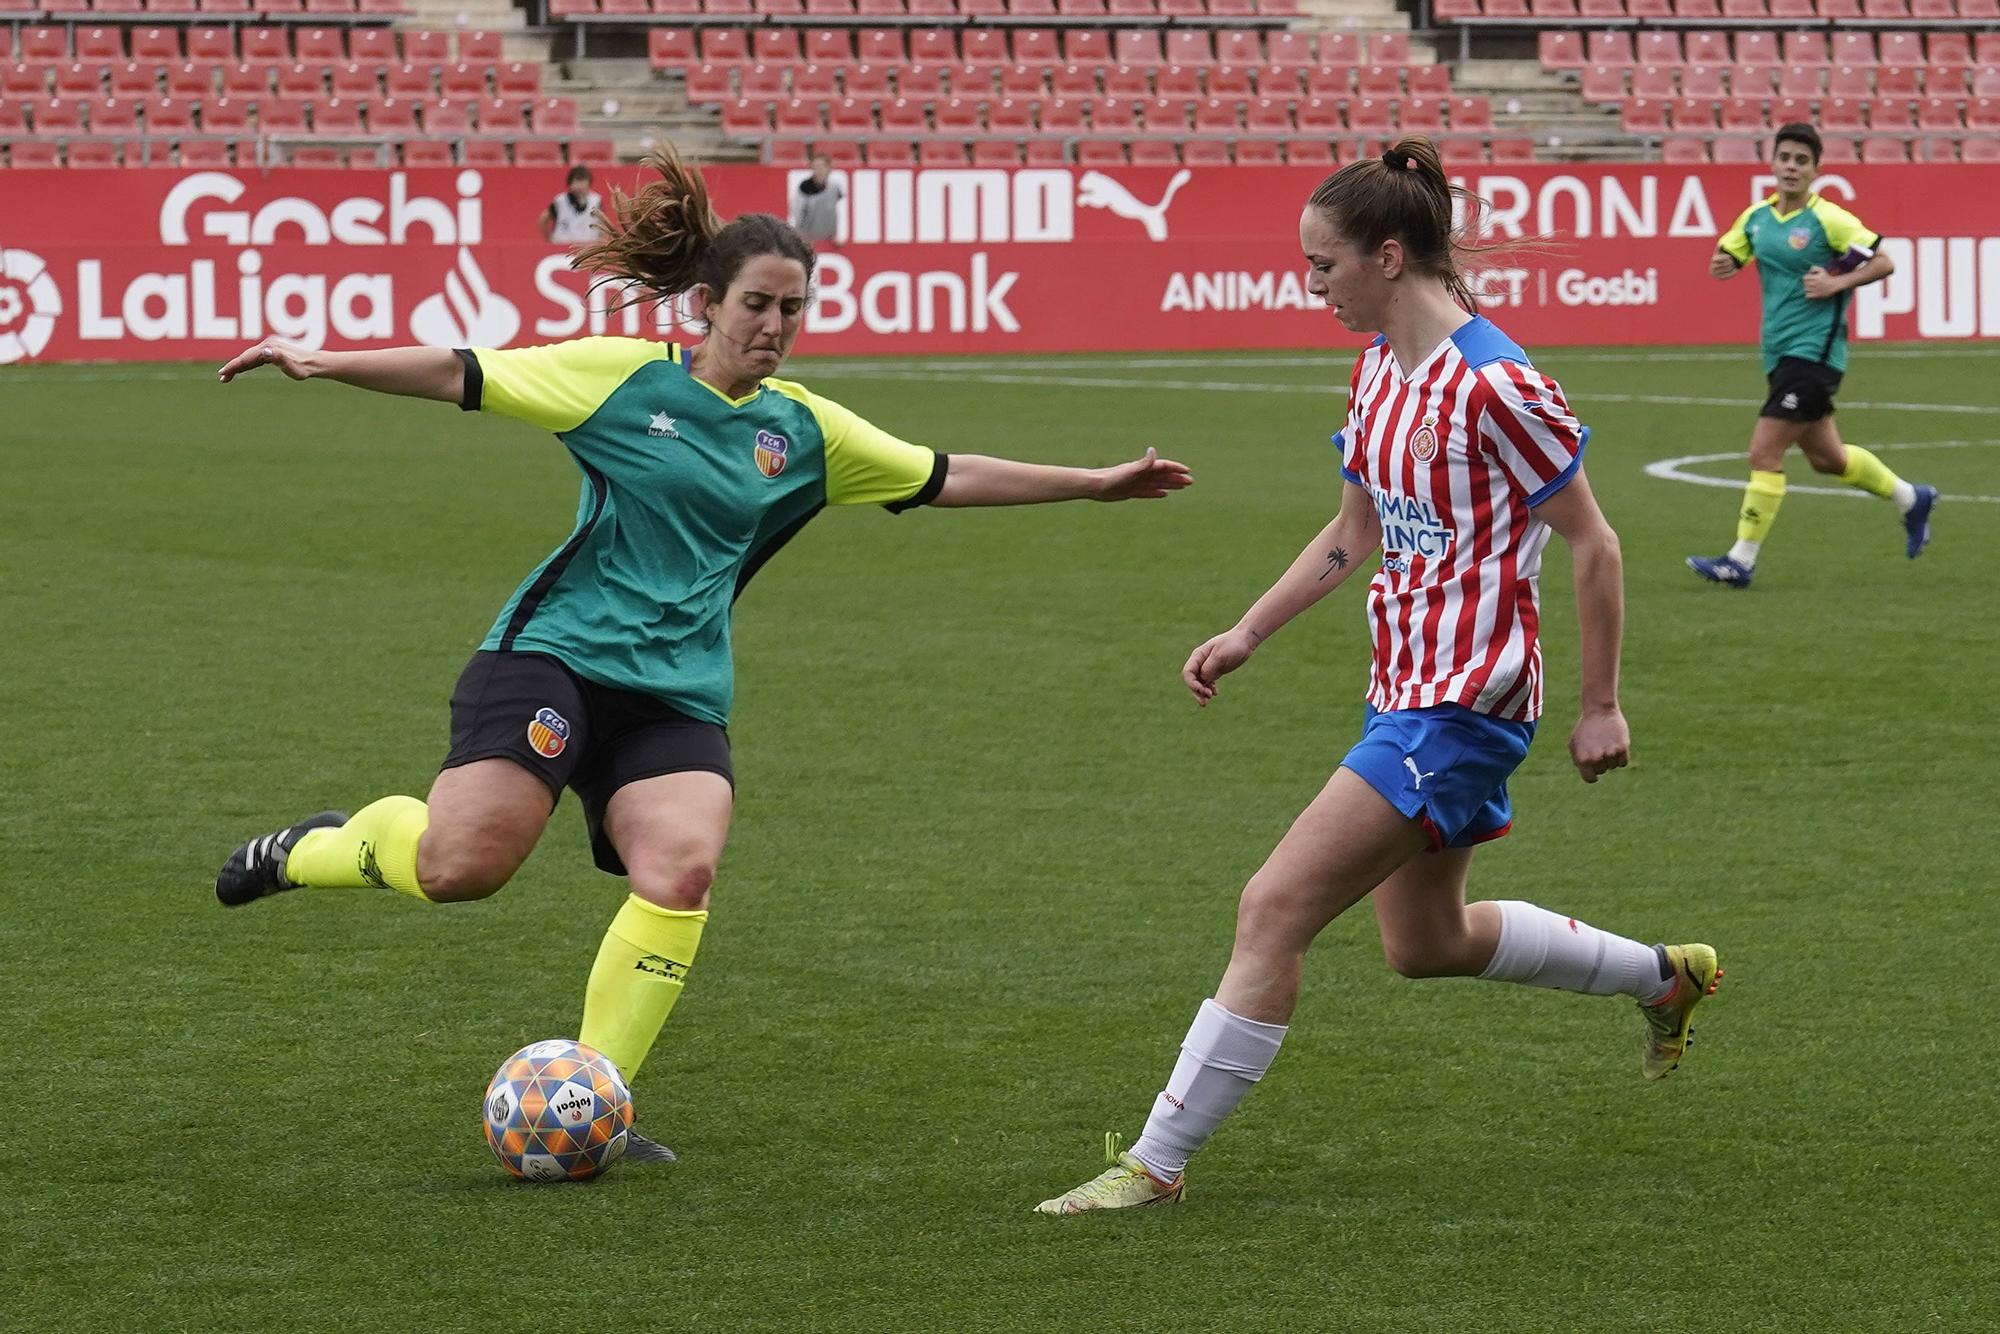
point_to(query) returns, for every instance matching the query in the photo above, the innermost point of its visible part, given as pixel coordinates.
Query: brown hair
(1404, 194)
(667, 238)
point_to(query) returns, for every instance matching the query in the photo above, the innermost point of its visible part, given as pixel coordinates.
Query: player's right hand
(1722, 265)
(270, 352)
(1218, 657)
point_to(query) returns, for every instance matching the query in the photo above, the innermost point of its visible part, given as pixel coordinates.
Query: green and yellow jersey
(1784, 246)
(686, 493)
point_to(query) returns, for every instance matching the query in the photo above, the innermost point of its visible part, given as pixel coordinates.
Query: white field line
(1676, 470)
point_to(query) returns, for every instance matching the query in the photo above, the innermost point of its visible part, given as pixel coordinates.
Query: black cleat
(639, 1149)
(257, 869)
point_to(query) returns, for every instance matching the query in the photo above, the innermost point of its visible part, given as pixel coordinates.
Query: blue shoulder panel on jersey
(1481, 343)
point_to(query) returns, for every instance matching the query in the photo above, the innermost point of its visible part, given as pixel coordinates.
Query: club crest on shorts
(1800, 237)
(771, 451)
(1424, 444)
(548, 733)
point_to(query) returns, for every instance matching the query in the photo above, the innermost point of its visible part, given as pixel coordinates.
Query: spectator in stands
(572, 216)
(816, 204)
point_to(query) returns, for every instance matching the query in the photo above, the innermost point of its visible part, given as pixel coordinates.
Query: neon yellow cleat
(1126, 1185)
(1667, 1027)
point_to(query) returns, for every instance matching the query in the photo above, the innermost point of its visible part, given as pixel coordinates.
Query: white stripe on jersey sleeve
(1530, 429)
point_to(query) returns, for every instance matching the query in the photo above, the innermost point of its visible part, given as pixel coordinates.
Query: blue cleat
(1917, 523)
(1721, 570)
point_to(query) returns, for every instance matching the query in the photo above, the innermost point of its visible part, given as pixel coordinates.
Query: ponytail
(1406, 195)
(667, 239)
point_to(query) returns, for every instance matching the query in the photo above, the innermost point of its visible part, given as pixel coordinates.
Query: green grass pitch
(983, 869)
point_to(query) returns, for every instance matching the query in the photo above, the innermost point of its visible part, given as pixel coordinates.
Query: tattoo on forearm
(1336, 559)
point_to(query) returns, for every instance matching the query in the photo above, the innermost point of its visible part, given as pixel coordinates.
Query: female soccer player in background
(1458, 458)
(1810, 254)
(609, 670)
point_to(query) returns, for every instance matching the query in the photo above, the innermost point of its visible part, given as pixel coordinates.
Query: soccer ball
(557, 1111)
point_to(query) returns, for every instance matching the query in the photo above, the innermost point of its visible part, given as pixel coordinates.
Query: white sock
(1539, 948)
(1904, 495)
(1222, 1056)
(1744, 553)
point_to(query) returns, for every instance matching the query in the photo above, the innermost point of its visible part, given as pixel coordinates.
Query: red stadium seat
(890, 154)
(1309, 153)
(881, 46)
(1178, 81)
(485, 153)
(725, 46)
(1757, 50)
(212, 154)
(1877, 148)
(24, 82)
(1853, 48)
(1801, 81)
(1155, 153)
(1139, 48)
(904, 117)
(1787, 109)
(1644, 115)
(1936, 150)
(1684, 151)
(319, 45)
(1949, 50)
(1840, 113)
(1659, 48)
(33, 153)
(1615, 49)
(160, 46)
(920, 81)
(1278, 80)
(392, 116)
(553, 115)
(1321, 115)
(1062, 116)
(416, 82)
(1653, 81)
(266, 45)
(1891, 113)
(933, 46)
(941, 153)
(114, 115)
(1745, 9)
(426, 47)
(1759, 82)
(1603, 84)
(222, 115)
(1553, 10)
(1334, 82)
(1885, 9)
(1125, 81)
(1086, 47)
(1365, 115)
(425, 153)
(1560, 50)
(102, 46)
(1114, 115)
(1707, 48)
(274, 117)
(1229, 81)
(1384, 48)
(214, 45)
(1428, 80)
(79, 80)
(1697, 9)
(670, 48)
(1902, 48)
(776, 46)
(86, 155)
(1806, 49)
(474, 47)
(133, 80)
(957, 115)
(1513, 151)
(1743, 115)
(1980, 150)
(1205, 153)
(1382, 81)
(1896, 81)
(1702, 81)
(1939, 113)
(743, 118)
(764, 83)
(1217, 116)
(817, 83)
(1190, 46)
(1738, 151)
(1100, 153)
(300, 82)
(1691, 113)
(1236, 46)
(1257, 153)
(851, 116)
(59, 116)
(1472, 113)
(1850, 81)
(361, 81)
(445, 116)
(1267, 116)
(337, 116)
(44, 46)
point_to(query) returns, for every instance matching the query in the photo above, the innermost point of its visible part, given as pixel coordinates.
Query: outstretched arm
(978, 479)
(416, 372)
(1601, 741)
(1322, 567)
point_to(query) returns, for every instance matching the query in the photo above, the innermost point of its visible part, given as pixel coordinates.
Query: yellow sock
(640, 969)
(1869, 473)
(377, 846)
(1760, 506)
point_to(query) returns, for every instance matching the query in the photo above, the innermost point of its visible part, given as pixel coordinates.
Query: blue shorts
(1446, 766)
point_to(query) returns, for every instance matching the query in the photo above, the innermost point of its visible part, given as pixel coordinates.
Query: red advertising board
(156, 264)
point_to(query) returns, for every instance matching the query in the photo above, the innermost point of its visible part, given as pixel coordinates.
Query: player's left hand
(1600, 743)
(1820, 284)
(1146, 478)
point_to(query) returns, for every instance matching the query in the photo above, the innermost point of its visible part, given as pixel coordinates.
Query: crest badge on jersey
(548, 733)
(1424, 444)
(771, 451)
(1800, 237)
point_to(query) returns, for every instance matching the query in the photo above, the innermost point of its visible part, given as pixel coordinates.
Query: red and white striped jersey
(1456, 456)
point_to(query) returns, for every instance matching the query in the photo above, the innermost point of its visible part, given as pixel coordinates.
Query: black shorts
(1801, 390)
(569, 732)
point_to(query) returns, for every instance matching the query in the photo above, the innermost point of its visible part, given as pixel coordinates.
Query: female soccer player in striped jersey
(609, 670)
(1458, 459)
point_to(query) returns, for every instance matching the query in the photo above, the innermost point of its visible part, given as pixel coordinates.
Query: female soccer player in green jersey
(609, 670)
(1810, 253)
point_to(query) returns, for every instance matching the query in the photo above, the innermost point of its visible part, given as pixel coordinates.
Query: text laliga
(175, 306)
